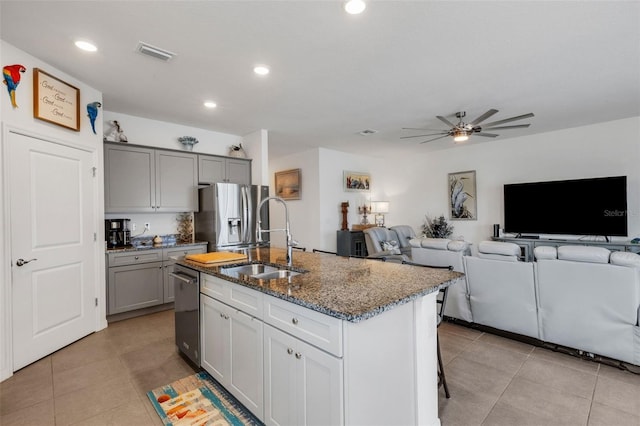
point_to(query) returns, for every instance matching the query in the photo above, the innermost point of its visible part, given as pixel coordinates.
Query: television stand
(528, 243)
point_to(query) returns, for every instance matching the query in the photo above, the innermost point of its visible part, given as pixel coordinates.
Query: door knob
(21, 262)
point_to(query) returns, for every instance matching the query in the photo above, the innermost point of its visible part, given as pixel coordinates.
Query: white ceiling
(399, 64)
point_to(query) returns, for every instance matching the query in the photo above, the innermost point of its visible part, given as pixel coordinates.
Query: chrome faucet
(287, 229)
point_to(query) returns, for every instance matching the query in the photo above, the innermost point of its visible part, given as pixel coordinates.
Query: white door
(52, 197)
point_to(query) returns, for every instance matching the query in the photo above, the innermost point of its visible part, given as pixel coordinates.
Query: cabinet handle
(289, 351)
(298, 355)
(294, 321)
(137, 257)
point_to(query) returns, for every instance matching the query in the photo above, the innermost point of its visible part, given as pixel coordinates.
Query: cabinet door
(319, 387)
(246, 369)
(214, 338)
(211, 169)
(129, 181)
(238, 171)
(176, 182)
(280, 405)
(135, 287)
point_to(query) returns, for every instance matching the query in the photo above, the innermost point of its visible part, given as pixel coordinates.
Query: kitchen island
(346, 341)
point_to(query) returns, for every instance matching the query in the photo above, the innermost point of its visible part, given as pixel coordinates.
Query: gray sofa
(585, 298)
(392, 243)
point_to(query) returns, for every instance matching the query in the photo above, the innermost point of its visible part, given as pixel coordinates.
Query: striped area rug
(198, 400)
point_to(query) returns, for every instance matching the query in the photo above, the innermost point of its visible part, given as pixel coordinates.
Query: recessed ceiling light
(210, 104)
(355, 7)
(85, 45)
(261, 70)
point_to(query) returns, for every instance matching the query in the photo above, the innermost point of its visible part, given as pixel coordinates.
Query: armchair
(389, 243)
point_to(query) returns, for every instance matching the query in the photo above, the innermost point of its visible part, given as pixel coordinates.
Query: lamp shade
(380, 207)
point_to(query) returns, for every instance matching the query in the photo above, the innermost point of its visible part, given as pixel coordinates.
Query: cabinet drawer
(322, 331)
(132, 258)
(235, 295)
(167, 254)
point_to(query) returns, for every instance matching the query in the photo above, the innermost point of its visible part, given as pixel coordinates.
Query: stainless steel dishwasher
(187, 311)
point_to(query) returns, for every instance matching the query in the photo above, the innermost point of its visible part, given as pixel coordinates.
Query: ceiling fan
(461, 131)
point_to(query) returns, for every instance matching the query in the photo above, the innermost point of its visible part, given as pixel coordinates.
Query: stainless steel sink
(274, 275)
(258, 271)
(252, 269)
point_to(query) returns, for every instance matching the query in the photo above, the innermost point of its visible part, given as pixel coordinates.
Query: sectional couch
(580, 297)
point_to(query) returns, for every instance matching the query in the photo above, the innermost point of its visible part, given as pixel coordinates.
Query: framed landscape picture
(357, 181)
(288, 184)
(462, 196)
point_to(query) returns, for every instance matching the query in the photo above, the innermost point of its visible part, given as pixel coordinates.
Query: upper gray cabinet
(212, 169)
(139, 179)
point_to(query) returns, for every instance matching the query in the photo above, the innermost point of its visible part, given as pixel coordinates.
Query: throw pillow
(391, 246)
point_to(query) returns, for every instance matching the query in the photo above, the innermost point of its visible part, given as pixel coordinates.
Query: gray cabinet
(140, 279)
(351, 243)
(213, 169)
(139, 179)
(134, 287)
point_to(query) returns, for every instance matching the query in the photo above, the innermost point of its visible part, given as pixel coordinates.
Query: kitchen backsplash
(160, 223)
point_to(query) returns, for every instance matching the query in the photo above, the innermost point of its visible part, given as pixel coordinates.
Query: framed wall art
(55, 101)
(357, 181)
(462, 196)
(288, 184)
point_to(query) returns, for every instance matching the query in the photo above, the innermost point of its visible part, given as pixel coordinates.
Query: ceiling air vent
(366, 132)
(155, 52)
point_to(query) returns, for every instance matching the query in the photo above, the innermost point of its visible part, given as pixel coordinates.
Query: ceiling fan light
(460, 136)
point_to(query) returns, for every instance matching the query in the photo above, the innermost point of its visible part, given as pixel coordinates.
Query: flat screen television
(596, 206)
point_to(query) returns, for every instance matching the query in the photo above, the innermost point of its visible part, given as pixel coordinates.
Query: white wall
(161, 134)
(22, 119)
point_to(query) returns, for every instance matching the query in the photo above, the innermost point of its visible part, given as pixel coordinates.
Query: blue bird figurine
(92, 112)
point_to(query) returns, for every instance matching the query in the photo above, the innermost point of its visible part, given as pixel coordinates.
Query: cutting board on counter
(215, 257)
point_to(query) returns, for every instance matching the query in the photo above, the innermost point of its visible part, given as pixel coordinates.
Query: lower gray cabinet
(135, 287)
(140, 279)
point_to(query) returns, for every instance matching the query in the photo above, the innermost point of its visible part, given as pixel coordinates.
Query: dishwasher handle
(183, 277)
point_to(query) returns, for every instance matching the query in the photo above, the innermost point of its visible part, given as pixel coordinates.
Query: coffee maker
(116, 232)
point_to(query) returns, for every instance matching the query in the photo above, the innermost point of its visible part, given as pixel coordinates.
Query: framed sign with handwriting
(55, 101)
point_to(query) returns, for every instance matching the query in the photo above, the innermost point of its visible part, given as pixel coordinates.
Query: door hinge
(95, 236)
(96, 301)
(93, 169)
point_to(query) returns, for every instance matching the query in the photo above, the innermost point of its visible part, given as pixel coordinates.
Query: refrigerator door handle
(247, 217)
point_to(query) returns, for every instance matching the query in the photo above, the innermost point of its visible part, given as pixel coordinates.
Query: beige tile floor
(103, 379)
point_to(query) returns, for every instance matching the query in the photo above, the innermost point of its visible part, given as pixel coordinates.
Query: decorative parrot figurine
(92, 112)
(11, 75)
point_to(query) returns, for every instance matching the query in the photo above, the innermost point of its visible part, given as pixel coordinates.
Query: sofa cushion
(500, 248)
(545, 252)
(500, 257)
(623, 258)
(415, 242)
(584, 254)
(456, 245)
(435, 243)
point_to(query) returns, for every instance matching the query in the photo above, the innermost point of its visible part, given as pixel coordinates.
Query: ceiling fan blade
(483, 117)
(422, 128)
(435, 139)
(486, 135)
(421, 136)
(515, 126)
(445, 121)
(506, 120)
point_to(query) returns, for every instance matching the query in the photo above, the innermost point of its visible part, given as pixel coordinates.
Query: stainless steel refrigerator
(228, 213)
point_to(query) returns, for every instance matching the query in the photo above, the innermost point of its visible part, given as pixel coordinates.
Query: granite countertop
(352, 289)
(151, 246)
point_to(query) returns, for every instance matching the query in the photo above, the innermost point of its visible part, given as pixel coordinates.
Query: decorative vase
(188, 142)
(237, 151)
